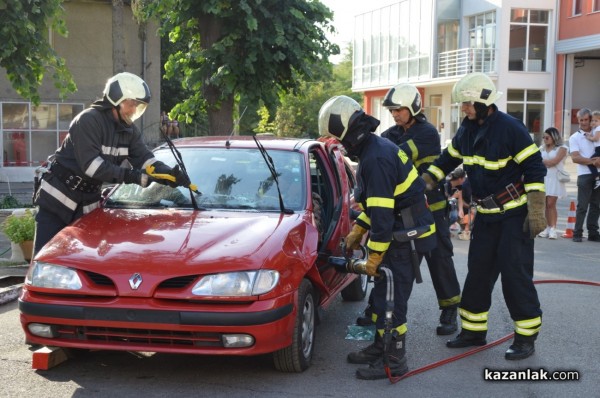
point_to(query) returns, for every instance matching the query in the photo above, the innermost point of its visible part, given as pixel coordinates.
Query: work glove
(535, 221)
(430, 184)
(355, 237)
(134, 176)
(373, 262)
(166, 175)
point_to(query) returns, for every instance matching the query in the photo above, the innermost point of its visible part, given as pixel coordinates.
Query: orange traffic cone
(570, 222)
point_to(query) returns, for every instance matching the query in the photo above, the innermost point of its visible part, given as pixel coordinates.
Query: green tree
(248, 49)
(298, 112)
(25, 52)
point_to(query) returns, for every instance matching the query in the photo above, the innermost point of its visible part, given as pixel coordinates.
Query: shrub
(19, 228)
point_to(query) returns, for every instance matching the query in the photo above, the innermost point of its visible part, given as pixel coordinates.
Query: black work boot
(466, 338)
(396, 360)
(369, 353)
(367, 318)
(447, 321)
(521, 348)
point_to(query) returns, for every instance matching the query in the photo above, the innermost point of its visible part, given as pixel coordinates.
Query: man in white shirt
(582, 152)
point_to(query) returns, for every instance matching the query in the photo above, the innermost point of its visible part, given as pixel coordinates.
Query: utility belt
(500, 198)
(73, 181)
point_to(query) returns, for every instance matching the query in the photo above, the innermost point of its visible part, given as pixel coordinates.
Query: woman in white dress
(554, 153)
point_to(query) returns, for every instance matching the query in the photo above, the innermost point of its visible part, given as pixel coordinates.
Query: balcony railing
(466, 60)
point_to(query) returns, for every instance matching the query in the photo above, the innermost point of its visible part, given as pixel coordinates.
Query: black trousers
(397, 259)
(501, 248)
(441, 264)
(47, 225)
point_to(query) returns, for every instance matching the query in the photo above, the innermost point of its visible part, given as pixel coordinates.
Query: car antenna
(236, 124)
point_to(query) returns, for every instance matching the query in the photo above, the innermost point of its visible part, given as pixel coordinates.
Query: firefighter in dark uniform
(388, 185)
(421, 142)
(507, 179)
(100, 140)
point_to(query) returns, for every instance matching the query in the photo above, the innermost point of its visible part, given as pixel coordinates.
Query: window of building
(22, 124)
(528, 40)
(528, 106)
(596, 6)
(577, 7)
(393, 44)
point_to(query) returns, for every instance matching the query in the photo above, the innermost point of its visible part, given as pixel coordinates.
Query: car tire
(297, 356)
(357, 290)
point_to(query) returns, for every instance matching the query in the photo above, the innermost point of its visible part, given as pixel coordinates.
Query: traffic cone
(570, 222)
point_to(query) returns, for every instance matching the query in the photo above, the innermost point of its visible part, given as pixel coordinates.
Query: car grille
(99, 279)
(138, 337)
(178, 282)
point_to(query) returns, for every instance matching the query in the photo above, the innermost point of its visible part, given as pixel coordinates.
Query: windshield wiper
(271, 165)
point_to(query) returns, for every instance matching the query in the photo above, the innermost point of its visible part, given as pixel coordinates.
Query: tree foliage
(298, 112)
(250, 49)
(25, 51)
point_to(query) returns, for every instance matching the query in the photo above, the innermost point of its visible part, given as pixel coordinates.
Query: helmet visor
(140, 108)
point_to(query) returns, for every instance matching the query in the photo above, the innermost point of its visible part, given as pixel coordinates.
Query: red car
(239, 268)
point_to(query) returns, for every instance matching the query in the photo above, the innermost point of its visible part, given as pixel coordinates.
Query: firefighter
(507, 179)
(421, 142)
(388, 186)
(101, 138)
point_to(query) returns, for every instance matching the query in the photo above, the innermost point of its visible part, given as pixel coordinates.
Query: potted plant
(20, 229)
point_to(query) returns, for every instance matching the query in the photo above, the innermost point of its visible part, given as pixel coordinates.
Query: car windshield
(233, 179)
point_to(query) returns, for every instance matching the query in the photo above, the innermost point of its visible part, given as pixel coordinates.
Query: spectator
(594, 136)
(169, 127)
(588, 198)
(458, 187)
(554, 153)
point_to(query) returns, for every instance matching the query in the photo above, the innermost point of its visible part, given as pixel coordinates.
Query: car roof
(245, 141)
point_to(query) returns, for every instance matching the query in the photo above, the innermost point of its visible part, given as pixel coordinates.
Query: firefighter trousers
(500, 248)
(441, 264)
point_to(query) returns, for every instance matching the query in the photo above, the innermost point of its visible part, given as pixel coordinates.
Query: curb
(8, 294)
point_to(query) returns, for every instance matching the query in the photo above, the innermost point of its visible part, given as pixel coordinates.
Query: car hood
(177, 240)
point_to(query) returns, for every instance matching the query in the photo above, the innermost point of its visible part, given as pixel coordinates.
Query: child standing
(594, 136)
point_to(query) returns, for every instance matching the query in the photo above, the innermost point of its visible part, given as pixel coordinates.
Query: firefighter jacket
(495, 154)
(421, 142)
(91, 154)
(387, 184)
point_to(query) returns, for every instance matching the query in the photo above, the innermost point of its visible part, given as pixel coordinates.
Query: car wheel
(357, 290)
(297, 356)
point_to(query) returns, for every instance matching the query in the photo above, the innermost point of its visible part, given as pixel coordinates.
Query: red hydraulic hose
(395, 379)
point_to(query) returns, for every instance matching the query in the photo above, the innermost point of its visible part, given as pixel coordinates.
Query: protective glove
(166, 175)
(181, 179)
(133, 176)
(355, 237)
(535, 221)
(373, 262)
(430, 184)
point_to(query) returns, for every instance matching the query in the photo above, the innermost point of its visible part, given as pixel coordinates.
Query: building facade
(433, 43)
(31, 133)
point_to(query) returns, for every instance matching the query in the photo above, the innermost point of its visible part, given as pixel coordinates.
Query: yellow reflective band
(403, 187)
(450, 301)
(378, 246)
(403, 156)
(482, 316)
(438, 205)
(529, 323)
(474, 327)
(364, 218)
(374, 317)
(413, 149)
(453, 152)
(507, 206)
(525, 153)
(428, 233)
(428, 159)
(437, 172)
(526, 332)
(402, 329)
(375, 201)
(535, 186)
(486, 164)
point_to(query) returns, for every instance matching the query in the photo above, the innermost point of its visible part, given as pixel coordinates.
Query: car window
(237, 179)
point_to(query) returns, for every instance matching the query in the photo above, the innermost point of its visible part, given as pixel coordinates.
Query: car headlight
(53, 276)
(237, 284)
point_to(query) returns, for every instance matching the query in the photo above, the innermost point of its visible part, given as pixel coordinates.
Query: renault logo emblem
(135, 281)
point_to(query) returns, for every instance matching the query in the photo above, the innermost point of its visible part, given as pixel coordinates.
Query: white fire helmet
(475, 87)
(336, 116)
(403, 96)
(125, 85)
